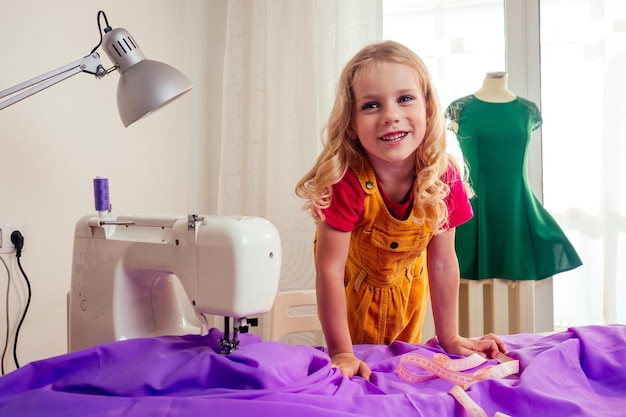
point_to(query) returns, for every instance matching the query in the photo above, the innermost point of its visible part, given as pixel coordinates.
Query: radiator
(501, 307)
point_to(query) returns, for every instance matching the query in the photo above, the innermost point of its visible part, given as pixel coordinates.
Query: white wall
(53, 144)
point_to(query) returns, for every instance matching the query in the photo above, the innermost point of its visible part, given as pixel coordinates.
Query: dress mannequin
(494, 89)
(511, 235)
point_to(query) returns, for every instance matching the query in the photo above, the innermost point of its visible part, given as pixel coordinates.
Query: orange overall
(386, 275)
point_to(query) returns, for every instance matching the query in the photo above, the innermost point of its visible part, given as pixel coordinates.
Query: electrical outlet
(6, 246)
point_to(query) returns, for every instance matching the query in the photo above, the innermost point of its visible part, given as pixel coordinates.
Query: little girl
(386, 197)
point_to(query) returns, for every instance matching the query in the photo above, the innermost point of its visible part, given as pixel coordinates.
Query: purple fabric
(579, 372)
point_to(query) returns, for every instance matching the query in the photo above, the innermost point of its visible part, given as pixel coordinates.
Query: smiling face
(388, 113)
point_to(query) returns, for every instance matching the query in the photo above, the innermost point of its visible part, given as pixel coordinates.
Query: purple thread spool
(101, 194)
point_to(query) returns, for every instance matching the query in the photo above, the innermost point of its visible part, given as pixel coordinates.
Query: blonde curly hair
(340, 152)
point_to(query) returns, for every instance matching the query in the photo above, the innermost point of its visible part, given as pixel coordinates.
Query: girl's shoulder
(346, 203)
(349, 185)
(457, 201)
(451, 175)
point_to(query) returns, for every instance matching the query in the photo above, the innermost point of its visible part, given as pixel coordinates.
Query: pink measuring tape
(441, 366)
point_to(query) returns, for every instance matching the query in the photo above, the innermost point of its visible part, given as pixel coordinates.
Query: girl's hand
(350, 365)
(487, 346)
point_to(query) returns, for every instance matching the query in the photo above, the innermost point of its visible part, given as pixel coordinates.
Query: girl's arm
(330, 263)
(443, 277)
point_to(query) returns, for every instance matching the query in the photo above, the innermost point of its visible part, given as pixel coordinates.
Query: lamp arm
(90, 64)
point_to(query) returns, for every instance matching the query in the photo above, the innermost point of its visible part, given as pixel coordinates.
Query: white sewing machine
(145, 276)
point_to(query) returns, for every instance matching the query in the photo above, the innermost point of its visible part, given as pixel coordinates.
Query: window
(459, 41)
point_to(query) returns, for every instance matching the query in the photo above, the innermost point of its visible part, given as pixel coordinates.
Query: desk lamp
(144, 85)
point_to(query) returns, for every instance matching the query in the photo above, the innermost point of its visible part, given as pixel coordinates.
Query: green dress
(511, 235)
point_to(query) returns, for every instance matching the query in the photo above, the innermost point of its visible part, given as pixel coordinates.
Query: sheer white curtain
(584, 152)
(282, 61)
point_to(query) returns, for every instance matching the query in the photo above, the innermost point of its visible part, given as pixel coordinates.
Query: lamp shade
(145, 85)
